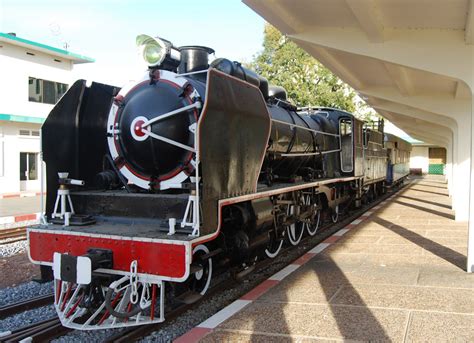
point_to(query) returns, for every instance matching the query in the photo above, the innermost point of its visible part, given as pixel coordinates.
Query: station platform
(396, 274)
(15, 206)
(19, 211)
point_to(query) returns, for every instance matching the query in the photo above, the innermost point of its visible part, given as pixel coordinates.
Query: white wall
(15, 69)
(13, 144)
(419, 158)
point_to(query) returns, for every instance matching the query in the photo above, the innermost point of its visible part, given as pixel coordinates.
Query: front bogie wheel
(274, 245)
(200, 279)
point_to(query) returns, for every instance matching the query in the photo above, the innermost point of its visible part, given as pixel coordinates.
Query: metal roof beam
(415, 112)
(327, 59)
(469, 27)
(275, 14)
(442, 105)
(424, 50)
(442, 121)
(368, 16)
(457, 90)
(418, 129)
(400, 77)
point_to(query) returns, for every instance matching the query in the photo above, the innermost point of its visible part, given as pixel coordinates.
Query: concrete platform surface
(19, 205)
(397, 276)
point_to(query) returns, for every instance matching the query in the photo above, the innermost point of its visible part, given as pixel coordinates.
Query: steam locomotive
(154, 188)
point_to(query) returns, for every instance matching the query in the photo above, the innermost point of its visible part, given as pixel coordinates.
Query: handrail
(303, 128)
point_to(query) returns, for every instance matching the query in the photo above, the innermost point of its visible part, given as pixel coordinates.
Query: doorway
(346, 145)
(28, 171)
(437, 161)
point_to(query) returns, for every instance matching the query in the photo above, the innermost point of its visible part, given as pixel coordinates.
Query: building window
(47, 92)
(29, 133)
(28, 166)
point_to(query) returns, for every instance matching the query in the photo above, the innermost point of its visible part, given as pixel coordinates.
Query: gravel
(24, 291)
(86, 336)
(10, 249)
(27, 317)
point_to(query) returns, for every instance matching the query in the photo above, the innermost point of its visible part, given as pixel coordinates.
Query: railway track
(42, 331)
(9, 310)
(38, 332)
(12, 235)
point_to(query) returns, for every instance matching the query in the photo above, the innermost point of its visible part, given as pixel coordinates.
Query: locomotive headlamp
(153, 50)
(156, 51)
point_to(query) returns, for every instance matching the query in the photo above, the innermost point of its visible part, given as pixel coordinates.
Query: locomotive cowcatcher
(192, 171)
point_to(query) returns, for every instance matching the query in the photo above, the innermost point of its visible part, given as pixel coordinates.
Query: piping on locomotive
(195, 169)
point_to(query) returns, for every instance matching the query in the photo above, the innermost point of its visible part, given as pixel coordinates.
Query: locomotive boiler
(195, 169)
(151, 127)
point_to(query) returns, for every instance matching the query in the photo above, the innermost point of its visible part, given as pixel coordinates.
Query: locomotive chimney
(194, 58)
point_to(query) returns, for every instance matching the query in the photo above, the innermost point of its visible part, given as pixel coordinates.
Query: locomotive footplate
(75, 253)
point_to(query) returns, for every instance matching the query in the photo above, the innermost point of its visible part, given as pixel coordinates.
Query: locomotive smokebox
(194, 58)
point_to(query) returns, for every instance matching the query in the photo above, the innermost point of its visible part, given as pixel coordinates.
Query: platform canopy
(411, 60)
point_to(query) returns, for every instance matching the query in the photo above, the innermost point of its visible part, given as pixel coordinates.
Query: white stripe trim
(263, 194)
(291, 125)
(319, 248)
(107, 236)
(224, 314)
(341, 232)
(356, 222)
(7, 220)
(284, 272)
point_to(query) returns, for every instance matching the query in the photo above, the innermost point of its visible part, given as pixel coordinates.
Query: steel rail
(43, 331)
(12, 233)
(42, 300)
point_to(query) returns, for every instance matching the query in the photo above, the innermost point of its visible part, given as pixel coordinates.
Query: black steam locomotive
(194, 169)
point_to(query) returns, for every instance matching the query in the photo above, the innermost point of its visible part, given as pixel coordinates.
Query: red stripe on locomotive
(153, 258)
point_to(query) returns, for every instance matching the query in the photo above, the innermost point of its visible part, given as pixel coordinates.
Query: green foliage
(307, 82)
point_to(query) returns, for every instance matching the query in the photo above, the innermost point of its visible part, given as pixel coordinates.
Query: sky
(105, 30)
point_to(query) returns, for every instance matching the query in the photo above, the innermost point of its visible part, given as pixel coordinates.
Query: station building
(34, 77)
(427, 159)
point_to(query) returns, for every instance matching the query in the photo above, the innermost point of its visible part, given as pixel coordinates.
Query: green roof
(70, 55)
(22, 119)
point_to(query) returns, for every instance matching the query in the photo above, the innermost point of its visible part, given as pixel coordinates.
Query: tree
(307, 82)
